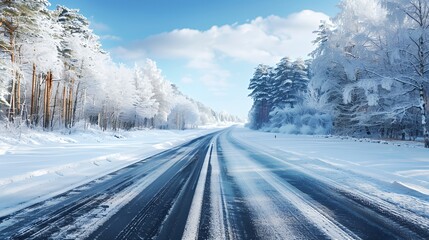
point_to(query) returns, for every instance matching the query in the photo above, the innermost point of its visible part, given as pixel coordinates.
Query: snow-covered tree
(260, 86)
(298, 90)
(21, 25)
(184, 114)
(54, 73)
(282, 83)
(370, 67)
(41, 57)
(145, 104)
(162, 92)
(285, 86)
(79, 50)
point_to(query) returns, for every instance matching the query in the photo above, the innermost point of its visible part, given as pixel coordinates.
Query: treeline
(54, 74)
(370, 69)
(280, 99)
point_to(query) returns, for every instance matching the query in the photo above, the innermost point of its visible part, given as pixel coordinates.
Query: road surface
(213, 187)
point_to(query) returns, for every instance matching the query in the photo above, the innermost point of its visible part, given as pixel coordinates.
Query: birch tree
(417, 12)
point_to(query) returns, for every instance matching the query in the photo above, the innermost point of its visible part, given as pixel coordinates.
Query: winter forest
(55, 75)
(368, 76)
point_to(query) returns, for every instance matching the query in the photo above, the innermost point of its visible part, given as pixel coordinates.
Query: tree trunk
(48, 91)
(11, 112)
(38, 100)
(12, 100)
(423, 115)
(64, 103)
(99, 120)
(69, 106)
(33, 94)
(45, 99)
(18, 94)
(75, 104)
(55, 104)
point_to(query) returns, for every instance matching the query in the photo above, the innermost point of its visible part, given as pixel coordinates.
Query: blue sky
(209, 49)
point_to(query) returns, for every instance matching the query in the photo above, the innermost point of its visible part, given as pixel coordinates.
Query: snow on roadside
(36, 165)
(398, 175)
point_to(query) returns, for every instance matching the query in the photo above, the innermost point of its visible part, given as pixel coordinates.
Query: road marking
(218, 202)
(193, 221)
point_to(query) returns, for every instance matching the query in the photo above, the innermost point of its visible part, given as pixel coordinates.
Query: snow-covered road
(139, 196)
(293, 196)
(35, 166)
(241, 184)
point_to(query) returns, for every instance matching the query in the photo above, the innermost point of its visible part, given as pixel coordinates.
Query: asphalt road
(213, 187)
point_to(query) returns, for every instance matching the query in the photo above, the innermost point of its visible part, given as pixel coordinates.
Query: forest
(367, 77)
(54, 74)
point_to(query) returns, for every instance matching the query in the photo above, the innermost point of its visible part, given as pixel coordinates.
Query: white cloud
(264, 39)
(261, 40)
(187, 80)
(98, 26)
(130, 53)
(110, 37)
(216, 80)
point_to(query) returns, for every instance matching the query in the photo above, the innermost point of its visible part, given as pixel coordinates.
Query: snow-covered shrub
(183, 115)
(299, 120)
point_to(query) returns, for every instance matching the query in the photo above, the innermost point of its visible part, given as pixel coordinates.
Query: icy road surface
(224, 186)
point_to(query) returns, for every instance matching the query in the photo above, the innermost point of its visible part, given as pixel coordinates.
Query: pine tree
(299, 85)
(282, 83)
(78, 43)
(260, 85)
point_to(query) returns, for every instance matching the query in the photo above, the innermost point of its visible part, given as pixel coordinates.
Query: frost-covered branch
(393, 78)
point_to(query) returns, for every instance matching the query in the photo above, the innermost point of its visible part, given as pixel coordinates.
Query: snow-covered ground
(36, 165)
(389, 172)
